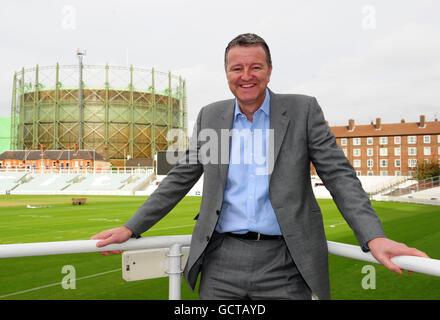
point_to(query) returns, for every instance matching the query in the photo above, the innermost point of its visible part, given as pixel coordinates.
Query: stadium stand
(10, 180)
(73, 183)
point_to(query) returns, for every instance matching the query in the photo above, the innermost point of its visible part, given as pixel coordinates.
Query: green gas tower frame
(124, 111)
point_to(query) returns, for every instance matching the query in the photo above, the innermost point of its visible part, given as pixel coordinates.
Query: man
(259, 233)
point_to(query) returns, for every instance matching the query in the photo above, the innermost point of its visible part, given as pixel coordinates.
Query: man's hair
(247, 40)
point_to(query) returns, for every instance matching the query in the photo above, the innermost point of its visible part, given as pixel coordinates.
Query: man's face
(248, 74)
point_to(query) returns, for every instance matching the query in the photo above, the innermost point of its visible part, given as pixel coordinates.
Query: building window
(412, 139)
(426, 139)
(383, 152)
(384, 173)
(397, 151)
(370, 173)
(358, 173)
(412, 151)
(397, 173)
(370, 163)
(383, 140)
(369, 141)
(412, 163)
(383, 163)
(427, 151)
(357, 152)
(370, 152)
(343, 141)
(396, 140)
(357, 163)
(397, 163)
(356, 141)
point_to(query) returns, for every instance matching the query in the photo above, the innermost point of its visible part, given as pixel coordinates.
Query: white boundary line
(57, 284)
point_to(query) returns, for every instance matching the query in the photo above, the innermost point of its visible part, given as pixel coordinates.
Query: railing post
(175, 271)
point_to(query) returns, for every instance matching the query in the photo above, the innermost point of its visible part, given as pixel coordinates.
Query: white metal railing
(78, 170)
(175, 243)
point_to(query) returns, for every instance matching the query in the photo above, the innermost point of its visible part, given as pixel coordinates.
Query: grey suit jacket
(301, 136)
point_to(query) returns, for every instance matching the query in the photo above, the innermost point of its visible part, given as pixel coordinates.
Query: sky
(362, 60)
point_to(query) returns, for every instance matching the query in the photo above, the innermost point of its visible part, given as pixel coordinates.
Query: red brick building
(52, 159)
(389, 149)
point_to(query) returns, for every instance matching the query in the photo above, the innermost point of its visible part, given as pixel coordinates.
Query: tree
(428, 169)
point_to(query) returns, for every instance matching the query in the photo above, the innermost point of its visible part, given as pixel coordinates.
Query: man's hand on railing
(384, 249)
(116, 235)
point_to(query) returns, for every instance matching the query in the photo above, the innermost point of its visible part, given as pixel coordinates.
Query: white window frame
(427, 151)
(412, 151)
(370, 152)
(412, 163)
(412, 139)
(370, 141)
(357, 163)
(384, 163)
(370, 163)
(426, 139)
(383, 152)
(383, 140)
(356, 141)
(397, 163)
(397, 140)
(343, 141)
(357, 152)
(397, 151)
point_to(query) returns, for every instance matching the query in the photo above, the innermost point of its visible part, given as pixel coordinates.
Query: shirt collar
(265, 107)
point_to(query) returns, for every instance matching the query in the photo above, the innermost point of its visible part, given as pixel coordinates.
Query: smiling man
(261, 236)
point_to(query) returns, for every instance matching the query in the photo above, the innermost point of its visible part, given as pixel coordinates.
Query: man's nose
(246, 75)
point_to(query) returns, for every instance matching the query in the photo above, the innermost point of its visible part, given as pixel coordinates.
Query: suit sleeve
(340, 178)
(172, 189)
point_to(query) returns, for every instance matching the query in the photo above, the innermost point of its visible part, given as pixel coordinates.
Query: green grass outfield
(99, 277)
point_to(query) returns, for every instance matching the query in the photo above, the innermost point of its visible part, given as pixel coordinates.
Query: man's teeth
(247, 85)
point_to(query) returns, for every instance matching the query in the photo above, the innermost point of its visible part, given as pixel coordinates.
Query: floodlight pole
(80, 55)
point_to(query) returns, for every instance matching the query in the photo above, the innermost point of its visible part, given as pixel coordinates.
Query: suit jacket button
(218, 212)
(207, 238)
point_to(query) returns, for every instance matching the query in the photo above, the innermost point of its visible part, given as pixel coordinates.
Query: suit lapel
(225, 123)
(278, 123)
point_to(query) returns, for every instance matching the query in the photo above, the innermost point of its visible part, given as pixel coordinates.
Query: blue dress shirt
(246, 204)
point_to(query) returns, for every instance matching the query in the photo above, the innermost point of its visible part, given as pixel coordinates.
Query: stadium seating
(75, 184)
(10, 180)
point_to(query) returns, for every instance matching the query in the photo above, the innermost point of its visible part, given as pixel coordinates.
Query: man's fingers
(418, 253)
(106, 241)
(386, 261)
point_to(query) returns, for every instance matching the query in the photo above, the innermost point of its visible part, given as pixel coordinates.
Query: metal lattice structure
(122, 110)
